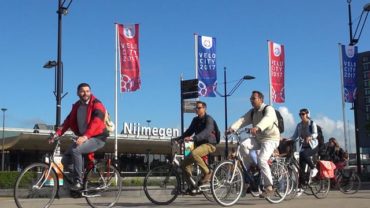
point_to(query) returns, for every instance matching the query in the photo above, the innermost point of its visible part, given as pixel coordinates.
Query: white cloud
(330, 127)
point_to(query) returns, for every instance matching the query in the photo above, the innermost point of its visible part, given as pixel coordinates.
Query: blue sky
(310, 31)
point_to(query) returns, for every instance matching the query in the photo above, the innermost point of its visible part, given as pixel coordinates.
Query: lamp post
(353, 40)
(58, 88)
(225, 95)
(2, 153)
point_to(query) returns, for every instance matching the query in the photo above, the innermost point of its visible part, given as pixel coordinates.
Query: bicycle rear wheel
(103, 185)
(36, 186)
(349, 184)
(320, 187)
(227, 183)
(280, 178)
(162, 185)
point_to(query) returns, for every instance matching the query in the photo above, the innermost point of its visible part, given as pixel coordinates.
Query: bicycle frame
(239, 158)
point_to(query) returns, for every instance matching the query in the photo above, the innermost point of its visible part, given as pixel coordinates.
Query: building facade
(362, 106)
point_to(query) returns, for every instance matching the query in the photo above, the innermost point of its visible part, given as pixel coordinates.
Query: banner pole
(269, 71)
(115, 98)
(196, 55)
(342, 95)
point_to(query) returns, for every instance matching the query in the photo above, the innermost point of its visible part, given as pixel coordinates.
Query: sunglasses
(302, 114)
(197, 108)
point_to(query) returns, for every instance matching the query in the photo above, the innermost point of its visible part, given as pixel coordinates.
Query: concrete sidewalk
(138, 199)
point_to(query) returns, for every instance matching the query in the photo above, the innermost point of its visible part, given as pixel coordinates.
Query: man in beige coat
(265, 134)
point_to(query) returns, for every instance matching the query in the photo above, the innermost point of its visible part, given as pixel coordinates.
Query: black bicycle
(346, 180)
(163, 184)
(318, 186)
(38, 184)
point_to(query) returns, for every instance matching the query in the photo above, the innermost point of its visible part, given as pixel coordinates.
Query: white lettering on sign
(138, 130)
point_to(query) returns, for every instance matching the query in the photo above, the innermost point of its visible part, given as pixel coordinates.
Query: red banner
(128, 41)
(277, 71)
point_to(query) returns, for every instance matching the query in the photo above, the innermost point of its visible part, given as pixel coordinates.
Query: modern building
(139, 147)
(362, 109)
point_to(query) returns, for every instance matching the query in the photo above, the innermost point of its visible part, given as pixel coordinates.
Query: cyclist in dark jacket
(202, 130)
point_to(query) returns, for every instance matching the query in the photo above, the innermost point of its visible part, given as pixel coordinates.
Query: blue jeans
(73, 156)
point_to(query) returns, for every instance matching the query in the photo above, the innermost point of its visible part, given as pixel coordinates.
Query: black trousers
(305, 157)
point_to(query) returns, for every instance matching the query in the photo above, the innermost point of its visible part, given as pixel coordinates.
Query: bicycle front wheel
(227, 183)
(293, 183)
(36, 186)
(103, 185)
(349, 184)
(320, 187)
(280, 178)
(162, 184)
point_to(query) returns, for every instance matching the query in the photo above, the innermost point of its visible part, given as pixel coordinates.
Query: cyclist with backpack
(306, 130)
(266, 136)
(204, 132)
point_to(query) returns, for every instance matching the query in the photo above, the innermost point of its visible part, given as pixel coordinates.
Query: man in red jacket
(86, 120)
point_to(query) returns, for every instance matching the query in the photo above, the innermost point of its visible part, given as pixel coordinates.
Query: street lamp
(63, 7)
(225, 95)
(353, 40)
(2, 155)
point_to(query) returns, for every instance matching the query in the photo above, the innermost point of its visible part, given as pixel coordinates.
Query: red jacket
(94, 118)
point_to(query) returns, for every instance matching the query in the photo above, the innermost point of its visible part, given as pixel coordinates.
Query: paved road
(335, 199)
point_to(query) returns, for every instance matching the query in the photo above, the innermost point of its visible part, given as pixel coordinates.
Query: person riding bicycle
(306, 131)
(265, 138)
(335, 153)
(86, 120)
(202, 132)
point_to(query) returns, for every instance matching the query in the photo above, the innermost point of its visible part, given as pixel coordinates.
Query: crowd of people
(86, 120)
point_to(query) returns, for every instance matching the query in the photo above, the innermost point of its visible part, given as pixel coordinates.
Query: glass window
(366, 83)
(366, 66)
(366, 74)
(367, 91)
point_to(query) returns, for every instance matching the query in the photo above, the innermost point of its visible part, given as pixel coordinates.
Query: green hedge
(133, 181)
(7, 179)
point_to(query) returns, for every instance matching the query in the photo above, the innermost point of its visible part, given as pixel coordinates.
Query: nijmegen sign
(138, 130)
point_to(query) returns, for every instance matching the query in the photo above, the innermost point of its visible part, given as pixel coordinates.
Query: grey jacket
(312, 131)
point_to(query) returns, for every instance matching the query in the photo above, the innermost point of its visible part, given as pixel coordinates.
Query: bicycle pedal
(205, 187)
(90, 196)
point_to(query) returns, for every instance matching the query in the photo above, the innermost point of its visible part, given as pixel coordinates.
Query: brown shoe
(267, 193)
(207, 178)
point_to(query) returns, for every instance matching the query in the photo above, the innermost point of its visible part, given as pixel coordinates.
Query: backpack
(109, 125)
(280, 119)
(319, 130)
(217, 132)
(314, 142)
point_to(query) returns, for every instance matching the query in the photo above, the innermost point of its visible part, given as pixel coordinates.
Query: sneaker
(207, 178)
(313, 172)
(76, 187)
(267, 193)
(299, 192)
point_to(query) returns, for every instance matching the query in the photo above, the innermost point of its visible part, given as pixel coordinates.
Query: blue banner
(349, 64)
(207, 73)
